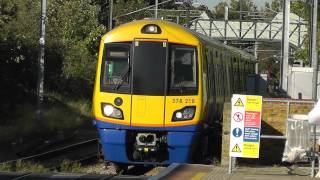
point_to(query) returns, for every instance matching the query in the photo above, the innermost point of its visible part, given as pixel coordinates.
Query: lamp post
(156, 10)
(110, 14)
(40, 83)
(314, 59)
(313, 49)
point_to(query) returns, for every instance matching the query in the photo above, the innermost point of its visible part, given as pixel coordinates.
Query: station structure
(252, 31)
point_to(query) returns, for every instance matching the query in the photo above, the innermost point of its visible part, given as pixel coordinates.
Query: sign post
(245, 127)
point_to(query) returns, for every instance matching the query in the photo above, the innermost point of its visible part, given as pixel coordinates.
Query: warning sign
(245, 126)
(238, 116)
(236, 149)
(250, 150)
(253, 103)
(252, 119)
(239, 103)
(237, 132)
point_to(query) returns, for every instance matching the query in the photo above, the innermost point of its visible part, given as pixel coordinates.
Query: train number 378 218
(181, 101)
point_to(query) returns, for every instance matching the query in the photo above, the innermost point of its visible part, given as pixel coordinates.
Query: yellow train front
(149, 103)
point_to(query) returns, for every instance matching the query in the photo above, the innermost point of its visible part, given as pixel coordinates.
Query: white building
(300, 83)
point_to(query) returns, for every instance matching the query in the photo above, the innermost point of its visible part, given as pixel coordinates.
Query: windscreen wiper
(181, 88)
(125, 75)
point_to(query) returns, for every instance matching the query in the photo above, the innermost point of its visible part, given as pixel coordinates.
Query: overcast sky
(212, 3)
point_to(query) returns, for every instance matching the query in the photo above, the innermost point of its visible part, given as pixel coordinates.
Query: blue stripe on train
(180, 142)
(107, 125)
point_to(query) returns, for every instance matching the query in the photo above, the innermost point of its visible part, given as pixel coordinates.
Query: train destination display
(245, 126)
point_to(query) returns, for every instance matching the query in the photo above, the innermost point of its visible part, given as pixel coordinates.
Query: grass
(71, 167)
(66, 166)
(59, 113)
(23, 166)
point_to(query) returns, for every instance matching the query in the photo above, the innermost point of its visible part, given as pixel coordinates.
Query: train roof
(216, 42)
(171, 31)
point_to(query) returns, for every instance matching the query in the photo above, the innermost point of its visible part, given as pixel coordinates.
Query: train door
(148, 83)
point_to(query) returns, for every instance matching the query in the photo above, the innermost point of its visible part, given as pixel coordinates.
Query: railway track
(83, 152)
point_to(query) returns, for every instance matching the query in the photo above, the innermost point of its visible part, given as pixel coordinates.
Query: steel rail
(51, 151)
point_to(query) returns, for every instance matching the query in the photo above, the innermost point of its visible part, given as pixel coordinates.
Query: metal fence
(274, 119)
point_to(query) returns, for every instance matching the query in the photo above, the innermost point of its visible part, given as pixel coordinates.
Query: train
(159, 91)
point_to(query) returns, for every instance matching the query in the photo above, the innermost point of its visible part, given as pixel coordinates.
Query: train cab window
(115, 66)
(183, 69)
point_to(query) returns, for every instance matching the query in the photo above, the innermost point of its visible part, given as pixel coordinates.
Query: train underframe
(152, 146)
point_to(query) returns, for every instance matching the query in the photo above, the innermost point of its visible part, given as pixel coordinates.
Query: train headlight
(179, 115)
(187, 113)
(151, 29)
(109, 110)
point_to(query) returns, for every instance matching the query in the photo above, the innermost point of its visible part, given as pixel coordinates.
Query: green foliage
(130, 6)
(71, 167)
(218, 11)
(59, 114)
(276, 5)
(303, 10)
(234, 9)
(66, 166)
(5, 167)
(27, 166)
(74, 29)
(23, 166)
(72, 39)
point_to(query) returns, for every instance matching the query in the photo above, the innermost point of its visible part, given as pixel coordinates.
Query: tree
(304, 10)
(247, 6)
(218, 11)
(72, 38)
(74, 31)
(276, 5)
(130, 5)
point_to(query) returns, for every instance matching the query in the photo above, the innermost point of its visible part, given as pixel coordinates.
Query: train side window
(220, 69)
(183, 67)
(212, 56)
(115, 67)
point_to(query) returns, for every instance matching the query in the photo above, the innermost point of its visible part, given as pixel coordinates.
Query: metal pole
(230, 165)
(188, 15)
(256, 57)
(156, 10)
(226, 14)
(314, 54)
(110, 14)
(313, 162)
(40, 83)
(285, 45)
(210, 28)
(299, 32)
(240, 5)
(314, 59)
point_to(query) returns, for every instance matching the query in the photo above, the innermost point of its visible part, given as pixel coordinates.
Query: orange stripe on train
(147, 125)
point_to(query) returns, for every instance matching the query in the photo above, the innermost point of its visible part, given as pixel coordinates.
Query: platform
(209, 172)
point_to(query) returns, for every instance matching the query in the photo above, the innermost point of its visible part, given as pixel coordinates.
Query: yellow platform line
(198, 176)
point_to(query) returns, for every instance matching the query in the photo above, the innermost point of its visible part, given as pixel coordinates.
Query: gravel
(100, 168)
